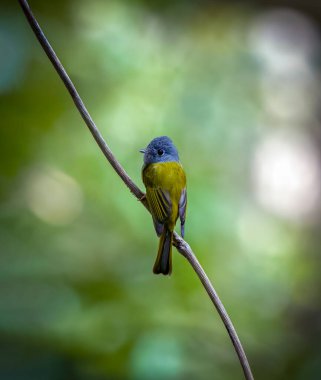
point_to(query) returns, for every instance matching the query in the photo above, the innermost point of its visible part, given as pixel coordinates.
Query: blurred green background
(236, 85)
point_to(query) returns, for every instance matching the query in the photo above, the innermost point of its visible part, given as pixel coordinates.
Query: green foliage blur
(236, 88)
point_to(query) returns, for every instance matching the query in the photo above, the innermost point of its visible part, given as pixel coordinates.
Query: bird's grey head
(160, 149)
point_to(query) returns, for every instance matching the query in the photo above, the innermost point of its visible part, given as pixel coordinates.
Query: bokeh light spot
(283, 40)
(53, 196)
(287, 175)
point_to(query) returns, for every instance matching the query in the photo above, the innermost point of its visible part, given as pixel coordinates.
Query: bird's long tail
(163, 263)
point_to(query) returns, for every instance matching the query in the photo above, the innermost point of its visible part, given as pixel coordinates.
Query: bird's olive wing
(160, 206)
(182, 210)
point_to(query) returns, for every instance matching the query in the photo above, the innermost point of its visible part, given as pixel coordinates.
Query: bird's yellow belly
(170, 178)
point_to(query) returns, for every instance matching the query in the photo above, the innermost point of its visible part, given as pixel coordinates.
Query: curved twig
(181, 245)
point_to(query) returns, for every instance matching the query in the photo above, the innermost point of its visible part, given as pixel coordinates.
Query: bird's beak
(142, 150)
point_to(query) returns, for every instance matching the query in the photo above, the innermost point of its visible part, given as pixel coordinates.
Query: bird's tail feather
(163, 263)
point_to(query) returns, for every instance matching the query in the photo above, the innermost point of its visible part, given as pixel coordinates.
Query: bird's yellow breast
(170, 178)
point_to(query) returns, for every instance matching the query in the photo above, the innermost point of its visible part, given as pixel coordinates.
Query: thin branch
(181, 245)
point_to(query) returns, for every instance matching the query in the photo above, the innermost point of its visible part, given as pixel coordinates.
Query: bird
(165, 182)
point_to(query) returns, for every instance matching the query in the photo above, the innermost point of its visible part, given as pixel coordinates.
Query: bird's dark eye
(160, 152)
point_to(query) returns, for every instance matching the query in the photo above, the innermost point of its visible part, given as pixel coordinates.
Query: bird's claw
(142, 198)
